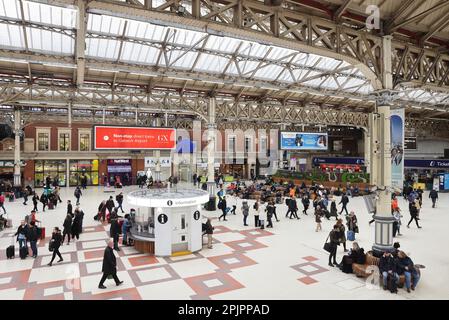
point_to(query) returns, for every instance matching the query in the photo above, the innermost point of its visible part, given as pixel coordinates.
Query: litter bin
(211, 204)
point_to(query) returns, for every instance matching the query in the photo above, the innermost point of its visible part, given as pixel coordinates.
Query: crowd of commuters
(264, 208)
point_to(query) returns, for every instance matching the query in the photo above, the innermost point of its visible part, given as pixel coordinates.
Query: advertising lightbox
(303, 141)
(133, 138)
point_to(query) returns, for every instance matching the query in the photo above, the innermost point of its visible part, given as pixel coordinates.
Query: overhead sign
(410, 143)
(335, 160)
(150, 162)
(133, 138)
(303, 141)
(10, 163)
(427, 163)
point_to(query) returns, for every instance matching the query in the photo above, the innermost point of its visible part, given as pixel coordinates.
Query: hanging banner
(397, 148)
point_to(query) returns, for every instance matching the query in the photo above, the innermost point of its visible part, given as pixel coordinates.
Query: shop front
(166, 164)
(7, 169)
(55, 169)
(119, 170)
(80, 168)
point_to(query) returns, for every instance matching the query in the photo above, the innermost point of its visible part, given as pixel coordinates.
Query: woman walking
(413, 215)
(55, 243)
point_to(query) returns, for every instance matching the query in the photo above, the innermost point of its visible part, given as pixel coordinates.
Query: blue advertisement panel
(446, 181)
(303, 141)
(397, 148)
(336, 160)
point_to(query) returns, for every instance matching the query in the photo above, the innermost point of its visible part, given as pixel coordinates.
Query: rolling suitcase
(9, 223)
(23, 252)
(42, 236)
(350, 235)
(10, 252)
(51, 206)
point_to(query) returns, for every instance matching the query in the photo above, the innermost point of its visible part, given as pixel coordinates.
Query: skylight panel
(10, 9)
(11, 36)
(103, 48)
(50, 15)
(49, 41)
(211, 63)
(269, 72)
(135, 52)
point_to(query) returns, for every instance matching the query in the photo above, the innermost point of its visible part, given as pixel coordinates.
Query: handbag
(327, 245)
(51, 245)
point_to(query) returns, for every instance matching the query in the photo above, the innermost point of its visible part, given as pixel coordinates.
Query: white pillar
(69, 121)
(381, 156)
(17, 132)
(367, 149)
(157, 156)
(383, 217)
(211, 127)
(67, 174)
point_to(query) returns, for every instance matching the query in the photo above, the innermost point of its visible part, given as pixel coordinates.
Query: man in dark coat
(67, 228)
(109, 266)
(119, 199)
(115, 232)
(434, 196)
(344, 201)
(69, 208)
(110, 205)
(388, 267)
(293, 208)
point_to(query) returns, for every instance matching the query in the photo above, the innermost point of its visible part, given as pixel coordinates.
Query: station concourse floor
(285, 262)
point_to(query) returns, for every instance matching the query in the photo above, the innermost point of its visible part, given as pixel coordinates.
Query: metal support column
(211, 136)
(17, 133)
(381, 157)
(157, 155)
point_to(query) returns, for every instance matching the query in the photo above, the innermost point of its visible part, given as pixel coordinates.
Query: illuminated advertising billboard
(303, 141)
(133, 138)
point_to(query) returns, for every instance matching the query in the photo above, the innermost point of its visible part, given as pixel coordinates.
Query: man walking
(119, 199)
(344, 201)
(223, 206)
(434, 196)
(109, 266)
(293, 208)
(78, 195)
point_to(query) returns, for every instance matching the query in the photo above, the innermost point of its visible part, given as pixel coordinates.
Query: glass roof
(51, 29)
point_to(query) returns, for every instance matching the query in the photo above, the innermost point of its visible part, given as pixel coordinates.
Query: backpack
(392, 284)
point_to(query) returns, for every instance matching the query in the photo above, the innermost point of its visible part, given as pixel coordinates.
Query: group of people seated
(391, 266)
(149, 182)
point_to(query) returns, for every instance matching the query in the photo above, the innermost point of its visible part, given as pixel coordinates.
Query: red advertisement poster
(126, 138)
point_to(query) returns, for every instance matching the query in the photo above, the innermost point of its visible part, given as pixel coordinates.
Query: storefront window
(55, 169)
(80, 168)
